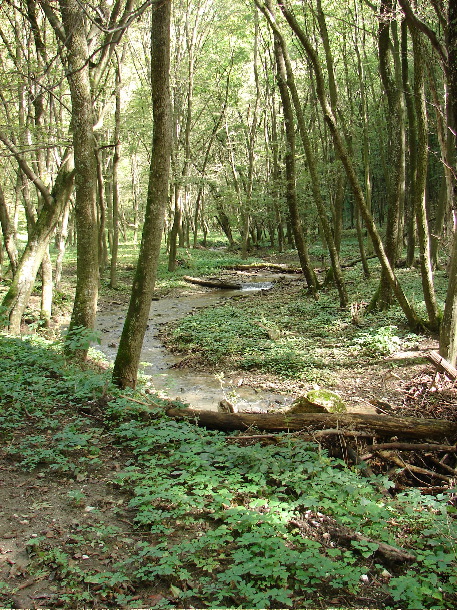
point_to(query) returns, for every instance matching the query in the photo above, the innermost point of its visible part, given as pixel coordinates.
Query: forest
(228, 304)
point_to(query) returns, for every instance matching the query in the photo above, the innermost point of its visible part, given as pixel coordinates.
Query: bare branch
(42, 188)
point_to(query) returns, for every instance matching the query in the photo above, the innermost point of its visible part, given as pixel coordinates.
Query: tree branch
(44, 191)
(414, 20)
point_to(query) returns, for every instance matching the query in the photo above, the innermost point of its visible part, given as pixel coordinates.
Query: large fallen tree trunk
(212, 283)
(379, 425)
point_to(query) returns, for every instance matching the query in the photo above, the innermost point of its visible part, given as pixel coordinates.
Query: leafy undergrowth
(193, 518)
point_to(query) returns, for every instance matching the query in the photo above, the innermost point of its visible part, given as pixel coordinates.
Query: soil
(77, 514)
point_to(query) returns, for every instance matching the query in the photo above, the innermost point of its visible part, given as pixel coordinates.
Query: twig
(414, 447)
(433, 459)
(139, 402)
(341, 432)
(414, 469)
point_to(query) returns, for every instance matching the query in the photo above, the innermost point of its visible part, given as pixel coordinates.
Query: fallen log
(442, 365)
(378, 425)
(414, 447)
(212, 283)
(257, 266)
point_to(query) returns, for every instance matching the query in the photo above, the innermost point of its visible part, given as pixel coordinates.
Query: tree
(77, 59)
(128, 356)
(285, 73)
(448, 332)
(412, 317)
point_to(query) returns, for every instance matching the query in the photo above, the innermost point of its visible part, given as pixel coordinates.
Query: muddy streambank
(200, 390)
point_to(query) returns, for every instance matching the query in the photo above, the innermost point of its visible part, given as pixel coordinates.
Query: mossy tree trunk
(87, 268)
(128, 356)
(448, 331)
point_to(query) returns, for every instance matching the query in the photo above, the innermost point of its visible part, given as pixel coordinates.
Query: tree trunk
(46, 289)
(289, 160)
(379, 425)
(396, 128)
(115, 181)
(410, 216)
(448, 330)
(128, 356)
(16, 299)
(285, 72)
(173, 236)
(413, 320)
(87, 270)
(61, 243)
(8, 233)
(420, 183)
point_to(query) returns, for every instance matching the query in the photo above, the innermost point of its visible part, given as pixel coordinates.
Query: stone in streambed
(318, 401)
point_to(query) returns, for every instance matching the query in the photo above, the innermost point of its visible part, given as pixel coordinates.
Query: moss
(329, 400)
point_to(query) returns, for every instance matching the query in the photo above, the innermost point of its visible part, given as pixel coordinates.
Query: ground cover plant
(131, 508)
(286, 333)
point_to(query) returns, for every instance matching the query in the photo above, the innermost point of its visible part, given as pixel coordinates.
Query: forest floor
(61, 531)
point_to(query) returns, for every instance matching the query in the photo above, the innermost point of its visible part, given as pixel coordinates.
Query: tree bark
(8, 233)
(289, 160)
(115, 181)
(420, 183)
(397, 134)
(87, 269)
(379, 425)
(128, 356)
(413, 320)
(448, 330)
(212, 283)
(16, 299)
(288, 76)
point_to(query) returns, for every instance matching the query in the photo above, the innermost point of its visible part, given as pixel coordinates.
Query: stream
(200, 390)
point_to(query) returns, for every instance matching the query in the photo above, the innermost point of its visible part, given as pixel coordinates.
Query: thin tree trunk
(410, 216)
(115, 181)
(46, 289)
(413, 320)
(173, 236)
(420, 183)
(128, 356)
(396, 128)
(8, 233)
(448, 330)
(289, 160)
(286, 73)
(61, 244)
(101, 214)
(16, 299)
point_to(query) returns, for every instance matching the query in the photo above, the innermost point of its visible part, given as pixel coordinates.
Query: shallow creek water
(198, 389)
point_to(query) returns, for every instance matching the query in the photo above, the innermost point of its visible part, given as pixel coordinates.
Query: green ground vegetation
(213, 522)
(288, 333)
(216, 523)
